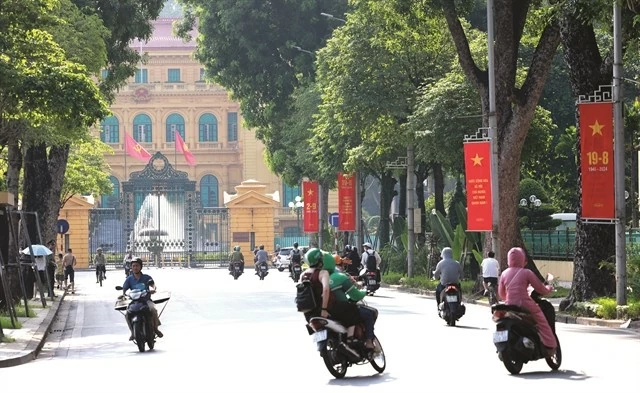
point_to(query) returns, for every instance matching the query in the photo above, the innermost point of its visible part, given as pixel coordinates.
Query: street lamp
(332, 17)
(531, 204)
(297, 207)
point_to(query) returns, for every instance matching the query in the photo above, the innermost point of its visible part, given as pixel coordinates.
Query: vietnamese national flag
(184, 149)
(477, 165)
(310, 190)
(133, 148)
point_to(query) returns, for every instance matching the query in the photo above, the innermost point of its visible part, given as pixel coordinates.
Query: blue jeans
(369, 318)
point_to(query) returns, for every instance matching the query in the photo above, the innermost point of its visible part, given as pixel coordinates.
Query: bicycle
(101, 273)
(493, 296)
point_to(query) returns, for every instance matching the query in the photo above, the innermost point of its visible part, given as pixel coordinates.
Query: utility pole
(618, 149)
(411, 192)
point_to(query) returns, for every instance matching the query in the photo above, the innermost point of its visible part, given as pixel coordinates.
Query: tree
(87, 172)
(532, 214)
(515, 102)
(589, 69)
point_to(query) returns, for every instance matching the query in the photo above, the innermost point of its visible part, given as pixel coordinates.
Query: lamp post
(532, 203)
(332, 17)
(297, 207)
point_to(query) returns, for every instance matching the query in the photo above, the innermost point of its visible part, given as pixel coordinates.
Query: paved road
(227, 336)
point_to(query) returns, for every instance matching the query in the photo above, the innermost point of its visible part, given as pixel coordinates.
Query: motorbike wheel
(378, 360)
(138, 334)
(333, 360)
(151, 342)
(513, 366)
(555, 361)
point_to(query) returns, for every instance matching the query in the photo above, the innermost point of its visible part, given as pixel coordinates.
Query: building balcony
(175, 86)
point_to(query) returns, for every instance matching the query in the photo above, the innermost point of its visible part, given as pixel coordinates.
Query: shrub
(422, 282)
(607, 308)
(633, 311)
(392, 278)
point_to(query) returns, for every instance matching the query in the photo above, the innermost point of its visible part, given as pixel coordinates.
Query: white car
(283, 259)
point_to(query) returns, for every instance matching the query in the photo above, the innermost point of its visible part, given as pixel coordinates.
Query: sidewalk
(560, 317)
(30, 339)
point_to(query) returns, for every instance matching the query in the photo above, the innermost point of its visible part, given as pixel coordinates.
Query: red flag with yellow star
(346, 201)
(133, 148)
(310, 190)
(184, 149)
(477, 165)
(596, 160)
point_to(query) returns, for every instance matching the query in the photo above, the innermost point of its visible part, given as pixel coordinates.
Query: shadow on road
(363, 380)
(471, 327)
(569, 375)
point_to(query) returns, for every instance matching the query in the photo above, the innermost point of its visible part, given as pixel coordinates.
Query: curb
(37, 340)
(560, 317)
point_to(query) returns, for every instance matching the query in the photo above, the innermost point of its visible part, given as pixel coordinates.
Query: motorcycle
(516, 337)
(451, 308)
(296, 271)
(236, 270)
(134, 307)
(331, 341)
(263, 271)
(127, 269)
(369, 279)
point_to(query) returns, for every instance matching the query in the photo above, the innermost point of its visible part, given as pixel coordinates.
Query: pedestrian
(490, 272)
(69, 261)
(51, 268)
(60, 272)
(41, 267)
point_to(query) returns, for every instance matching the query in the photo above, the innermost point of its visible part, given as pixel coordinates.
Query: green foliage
(607, 308)
(531, 216)
(392, 278)
(5, 322)
(87, 171)
(633, 270)
(633, 311)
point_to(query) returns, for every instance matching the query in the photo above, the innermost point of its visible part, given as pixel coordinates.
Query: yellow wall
(76, 212)
(561, 270)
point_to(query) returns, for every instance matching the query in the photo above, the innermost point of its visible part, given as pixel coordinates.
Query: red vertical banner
(596, 160)
(346, 201)
(310, 191)
(477, 166)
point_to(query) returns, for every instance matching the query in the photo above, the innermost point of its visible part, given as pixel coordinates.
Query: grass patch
(6, 323)
(7, 340)
(20, 312)
(559, 292)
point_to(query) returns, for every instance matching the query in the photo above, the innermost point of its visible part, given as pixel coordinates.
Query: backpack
(296, 257)
(305, 297)
(372, 263)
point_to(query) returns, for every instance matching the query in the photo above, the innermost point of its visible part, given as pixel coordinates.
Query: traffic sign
(62, 226)
(334, 219)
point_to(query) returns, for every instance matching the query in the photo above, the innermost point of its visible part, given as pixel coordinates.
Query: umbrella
(38, 250)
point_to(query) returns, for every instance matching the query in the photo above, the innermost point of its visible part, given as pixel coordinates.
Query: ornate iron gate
(160, 218)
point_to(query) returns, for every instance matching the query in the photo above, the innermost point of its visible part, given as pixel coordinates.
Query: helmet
(262, 246)
(236, 248)
(137, 260)
(338, 259)
(367, 245)
(313, 257)
(98, 249)
(295, 245)
(328, 263)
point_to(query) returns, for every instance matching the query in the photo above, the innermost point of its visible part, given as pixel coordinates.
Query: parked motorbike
(451, 307)
(134, 307)
(516, 337)
(296, 271)
(331, 340)
(236, 270)
(263, 270)
(369, 279)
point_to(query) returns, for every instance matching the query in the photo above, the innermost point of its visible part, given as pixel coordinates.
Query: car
(283, 259)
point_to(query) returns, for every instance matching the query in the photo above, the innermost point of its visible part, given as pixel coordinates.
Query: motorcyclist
(100, 262)
(513, 288)
(346, 294)
(319, 278)
(296, 257)
(236, 257)
(368, 256)
(262, 257)
(138, 280)
(448, 271)
(126, 263)
(356, 265)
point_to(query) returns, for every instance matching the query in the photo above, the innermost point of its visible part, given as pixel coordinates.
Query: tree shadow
(569, 375)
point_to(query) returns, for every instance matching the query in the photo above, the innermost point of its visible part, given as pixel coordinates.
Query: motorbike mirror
(549, 278)
(118, 288)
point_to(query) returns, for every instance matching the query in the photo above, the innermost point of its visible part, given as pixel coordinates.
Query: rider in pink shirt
(513, 288)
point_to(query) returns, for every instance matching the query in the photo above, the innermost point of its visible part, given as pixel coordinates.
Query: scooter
(369, 279)
(330, 338)
(263, 270)
(134, 307)
(296, 271)
(451, 307)
(236, 270)
(516, 337)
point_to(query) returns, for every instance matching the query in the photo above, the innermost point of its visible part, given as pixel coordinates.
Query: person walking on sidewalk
(69, 261)
(60, 272)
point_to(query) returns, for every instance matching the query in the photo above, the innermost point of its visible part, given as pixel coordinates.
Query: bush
(392, 278)
(607, 308)
(633, 311)
(393, 260)
(421, 282)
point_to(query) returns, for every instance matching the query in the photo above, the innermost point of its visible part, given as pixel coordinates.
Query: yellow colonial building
(169, 95)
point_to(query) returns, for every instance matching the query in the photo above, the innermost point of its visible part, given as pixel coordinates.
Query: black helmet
(137, 260)
(295, 245)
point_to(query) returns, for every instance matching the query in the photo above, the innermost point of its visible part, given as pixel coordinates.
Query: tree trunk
(387, 185)
(402, 200)
(13, 182)
(594, 243)
(438, 187)
(421, 176)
